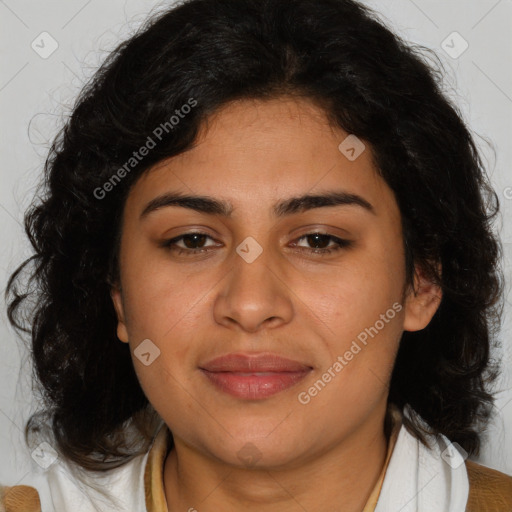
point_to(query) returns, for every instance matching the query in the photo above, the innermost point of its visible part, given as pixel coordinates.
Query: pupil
(317, 236)
(195, 236)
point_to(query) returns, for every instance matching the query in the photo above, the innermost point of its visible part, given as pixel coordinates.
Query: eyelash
(340, 242)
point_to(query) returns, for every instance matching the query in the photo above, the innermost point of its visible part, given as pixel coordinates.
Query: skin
(304, 306)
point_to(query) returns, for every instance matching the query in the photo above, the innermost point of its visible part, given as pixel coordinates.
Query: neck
(343, 475)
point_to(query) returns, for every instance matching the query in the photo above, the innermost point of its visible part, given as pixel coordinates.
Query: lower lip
(254, 387)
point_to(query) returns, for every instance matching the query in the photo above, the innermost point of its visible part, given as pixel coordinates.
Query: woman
(266, 275)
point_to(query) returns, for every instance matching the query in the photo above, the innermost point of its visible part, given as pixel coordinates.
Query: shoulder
(65, 486)
(19, 498)
(489, 490)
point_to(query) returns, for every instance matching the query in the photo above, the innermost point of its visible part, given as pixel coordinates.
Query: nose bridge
(252, 277)
(254, 291)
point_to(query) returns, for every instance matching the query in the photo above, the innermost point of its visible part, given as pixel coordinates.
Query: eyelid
(340, 243)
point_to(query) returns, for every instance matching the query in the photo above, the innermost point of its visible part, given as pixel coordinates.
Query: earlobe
(420, 307)
(122, 333)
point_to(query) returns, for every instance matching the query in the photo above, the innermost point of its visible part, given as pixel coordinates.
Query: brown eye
(193, 239)
(322, 240)
(193, 243)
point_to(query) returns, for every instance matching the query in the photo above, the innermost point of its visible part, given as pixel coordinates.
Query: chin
(257, 452)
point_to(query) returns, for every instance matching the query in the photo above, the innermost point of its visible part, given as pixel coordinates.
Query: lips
(254, 377)
(253, 363)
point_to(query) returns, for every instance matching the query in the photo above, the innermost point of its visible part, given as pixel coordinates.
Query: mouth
(254, 377)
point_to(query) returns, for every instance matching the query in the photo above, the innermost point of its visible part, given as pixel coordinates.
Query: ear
(421, 303)
(122, 332)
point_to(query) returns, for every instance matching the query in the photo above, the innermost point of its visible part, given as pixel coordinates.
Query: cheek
(169, 391)
(361, 318)
(169, 378)
(167, 311)
(161, 297)
(362, 347)
(354, 297)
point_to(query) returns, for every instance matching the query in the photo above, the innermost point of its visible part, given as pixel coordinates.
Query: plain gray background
(37, 91)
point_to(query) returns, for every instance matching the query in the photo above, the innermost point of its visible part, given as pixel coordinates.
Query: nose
(254, 295)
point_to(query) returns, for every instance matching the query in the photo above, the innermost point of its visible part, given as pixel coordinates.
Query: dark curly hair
(369, 82)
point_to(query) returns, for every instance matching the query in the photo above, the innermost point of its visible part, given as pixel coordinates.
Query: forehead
(252, 153)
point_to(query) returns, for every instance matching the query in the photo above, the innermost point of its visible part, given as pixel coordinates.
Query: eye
(320, 239)
(190, 240)
(193, 243)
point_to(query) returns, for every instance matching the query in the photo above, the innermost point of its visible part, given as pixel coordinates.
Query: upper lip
(255, 363)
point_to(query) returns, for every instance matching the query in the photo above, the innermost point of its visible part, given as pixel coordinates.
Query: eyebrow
(283, 208)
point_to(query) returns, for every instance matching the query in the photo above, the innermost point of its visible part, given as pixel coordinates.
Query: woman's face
(259, 286)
